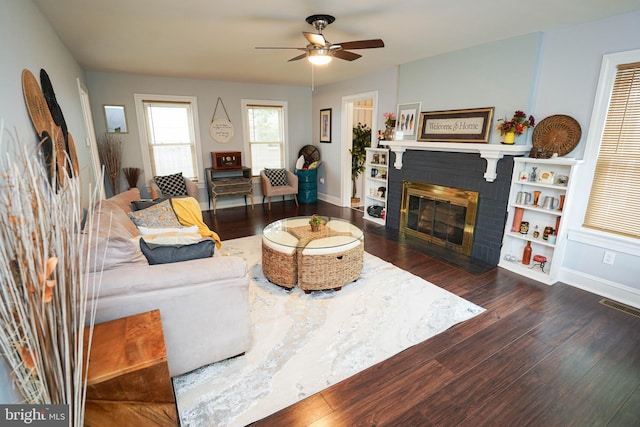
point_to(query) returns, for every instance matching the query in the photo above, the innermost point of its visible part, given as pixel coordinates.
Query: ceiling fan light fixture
(319, 57)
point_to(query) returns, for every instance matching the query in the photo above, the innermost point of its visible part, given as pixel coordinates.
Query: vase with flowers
(390, 124)
(516, 126)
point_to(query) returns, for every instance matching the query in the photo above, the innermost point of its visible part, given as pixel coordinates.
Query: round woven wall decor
(556, 134)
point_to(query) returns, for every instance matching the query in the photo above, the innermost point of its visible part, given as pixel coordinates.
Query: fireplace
(441, 215)
(462, 171)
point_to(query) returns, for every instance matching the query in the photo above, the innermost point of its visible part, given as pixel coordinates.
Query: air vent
(620, 307)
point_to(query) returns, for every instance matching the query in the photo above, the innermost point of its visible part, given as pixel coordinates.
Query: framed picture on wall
(115, 118)
(325, 125)
(469, 125)
(407, 119)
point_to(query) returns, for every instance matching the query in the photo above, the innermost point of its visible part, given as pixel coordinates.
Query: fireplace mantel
(490, 152)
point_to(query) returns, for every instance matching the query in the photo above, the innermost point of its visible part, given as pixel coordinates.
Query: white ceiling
(214, 39)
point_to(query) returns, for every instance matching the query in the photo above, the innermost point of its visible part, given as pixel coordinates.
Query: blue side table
(307, 185)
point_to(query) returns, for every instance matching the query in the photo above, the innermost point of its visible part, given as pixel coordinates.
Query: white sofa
(203, 303)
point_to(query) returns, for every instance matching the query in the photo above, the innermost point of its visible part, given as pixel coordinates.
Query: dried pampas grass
(44, 286)
(110, 150)
(132, 175)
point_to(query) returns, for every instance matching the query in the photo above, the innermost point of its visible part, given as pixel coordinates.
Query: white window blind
(265, 135)
(614, 205)
(171, 138)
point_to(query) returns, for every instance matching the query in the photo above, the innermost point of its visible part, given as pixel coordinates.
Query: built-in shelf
(490, 152)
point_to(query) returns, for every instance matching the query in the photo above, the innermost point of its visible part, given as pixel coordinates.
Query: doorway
(359, 108)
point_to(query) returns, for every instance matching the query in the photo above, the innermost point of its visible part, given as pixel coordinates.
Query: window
(168, 135)
(613, 203)
(265, 124)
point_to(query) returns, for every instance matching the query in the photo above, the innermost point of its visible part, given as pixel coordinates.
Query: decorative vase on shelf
(389, 133)
(509, 137)
(526, 254)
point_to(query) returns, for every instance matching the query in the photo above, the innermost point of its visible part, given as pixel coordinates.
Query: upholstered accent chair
(278, 182)
(167, 186)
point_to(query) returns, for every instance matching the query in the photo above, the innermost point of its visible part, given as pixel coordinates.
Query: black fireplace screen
(440, 219)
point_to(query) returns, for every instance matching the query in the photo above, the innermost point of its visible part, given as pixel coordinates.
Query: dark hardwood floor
(539, 355)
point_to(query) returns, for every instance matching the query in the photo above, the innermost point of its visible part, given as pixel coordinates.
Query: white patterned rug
(303, 343)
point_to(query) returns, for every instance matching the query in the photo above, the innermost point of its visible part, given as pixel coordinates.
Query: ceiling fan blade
(315, 39)
(346, 55)
(296, 58)
(362, 44)
(268, 47)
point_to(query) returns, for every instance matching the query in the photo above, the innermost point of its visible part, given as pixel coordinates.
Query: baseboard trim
(603, 287)
(330, 199)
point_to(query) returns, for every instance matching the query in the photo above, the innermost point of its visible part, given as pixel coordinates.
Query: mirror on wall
(115, 118)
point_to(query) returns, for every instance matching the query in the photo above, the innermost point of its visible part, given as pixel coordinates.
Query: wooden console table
(128, 381)
(229, 182)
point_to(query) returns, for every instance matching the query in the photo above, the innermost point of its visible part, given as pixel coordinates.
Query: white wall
(28, 41)
(499, 74)
(119, 89)
(330, 96)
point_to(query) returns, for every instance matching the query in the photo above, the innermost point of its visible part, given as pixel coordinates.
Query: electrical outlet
(321, 180)
(609, 257)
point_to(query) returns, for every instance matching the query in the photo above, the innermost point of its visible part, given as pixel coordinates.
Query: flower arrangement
(518, 124)
(390, 119)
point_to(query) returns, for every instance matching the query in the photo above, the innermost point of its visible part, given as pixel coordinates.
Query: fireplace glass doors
(441, 215)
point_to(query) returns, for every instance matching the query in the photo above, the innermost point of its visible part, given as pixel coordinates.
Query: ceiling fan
(320, 51)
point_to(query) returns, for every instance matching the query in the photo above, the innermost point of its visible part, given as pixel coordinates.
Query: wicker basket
(279, 267)
(330, 271)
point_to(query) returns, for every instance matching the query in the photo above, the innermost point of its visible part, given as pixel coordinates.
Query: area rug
(303, 343)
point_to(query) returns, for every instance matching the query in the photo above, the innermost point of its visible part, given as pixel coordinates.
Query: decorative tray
(556, 134)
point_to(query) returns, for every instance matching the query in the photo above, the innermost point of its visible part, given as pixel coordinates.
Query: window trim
(245, 127)
(586, 173)
(139, 99)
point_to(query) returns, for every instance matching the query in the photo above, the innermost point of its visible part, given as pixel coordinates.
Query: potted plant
(315, 222)
(361, 140)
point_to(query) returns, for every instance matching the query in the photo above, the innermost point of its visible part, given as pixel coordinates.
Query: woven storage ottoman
(330, 263)
(279, 263)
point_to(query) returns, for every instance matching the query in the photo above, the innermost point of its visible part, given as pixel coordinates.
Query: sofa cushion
(166, 254)
(159, 215)
(171, 185)
(277, 177)
(110, 245)
(174, 238)
(124, 199)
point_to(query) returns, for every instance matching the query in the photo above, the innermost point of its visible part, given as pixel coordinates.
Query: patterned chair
(278, 182)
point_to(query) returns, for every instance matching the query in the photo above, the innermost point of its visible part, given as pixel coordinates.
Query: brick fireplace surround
(464, 171)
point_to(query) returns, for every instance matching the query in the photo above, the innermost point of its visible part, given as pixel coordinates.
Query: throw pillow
(171, 185)
(138, 205)
(145, 231)
(160, 215)
(277, 177)
(166, 254)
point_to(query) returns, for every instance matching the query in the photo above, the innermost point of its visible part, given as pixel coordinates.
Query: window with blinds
(265, 134)
(614, 202)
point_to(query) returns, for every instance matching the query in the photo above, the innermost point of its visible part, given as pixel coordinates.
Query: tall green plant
(361, 140)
